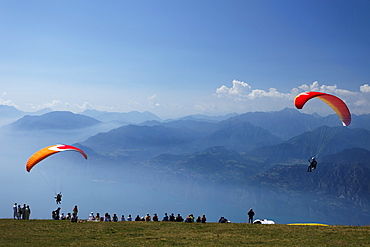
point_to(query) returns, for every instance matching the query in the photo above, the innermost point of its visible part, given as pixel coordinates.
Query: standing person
(19, 212)
(250, 216)
(75, 210)
(74, 214)
(27, 213)
(57, 213)
(24, 212)
(15, 211)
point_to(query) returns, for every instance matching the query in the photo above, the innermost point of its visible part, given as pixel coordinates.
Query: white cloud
(54, 103)
(59, 105)
(7, 102)
(153, 102)
(243, 91)
(303, 87)
(273, 93)
(314, 86)
(365, 88)
(239, 88)
(152, 98)
(222, 90)
(84, 106)
(360, 102)
(237, 96)
(229, 99)
(51, 104)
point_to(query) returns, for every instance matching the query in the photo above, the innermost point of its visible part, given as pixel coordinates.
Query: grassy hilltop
(65, 233)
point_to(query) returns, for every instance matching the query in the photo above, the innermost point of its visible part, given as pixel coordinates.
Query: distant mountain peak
(61, 120)
(132, 117)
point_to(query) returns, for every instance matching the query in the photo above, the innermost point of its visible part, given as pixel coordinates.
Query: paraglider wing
(334, 102)
(50, 150)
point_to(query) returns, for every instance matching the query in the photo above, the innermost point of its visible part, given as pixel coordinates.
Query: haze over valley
(218, 166)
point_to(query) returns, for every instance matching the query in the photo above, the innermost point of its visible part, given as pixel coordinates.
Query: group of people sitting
(55, 215)
(107, 218)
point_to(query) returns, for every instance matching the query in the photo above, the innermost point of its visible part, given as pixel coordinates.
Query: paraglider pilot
(58, 198)
(312, 165)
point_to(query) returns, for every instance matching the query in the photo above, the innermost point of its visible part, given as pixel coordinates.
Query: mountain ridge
(54, 120)
(233, 158)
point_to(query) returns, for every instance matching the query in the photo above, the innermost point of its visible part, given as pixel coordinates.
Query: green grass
(65, 233)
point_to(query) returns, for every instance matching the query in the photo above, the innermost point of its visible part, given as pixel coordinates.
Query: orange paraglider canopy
(334, 102)
(50, 150)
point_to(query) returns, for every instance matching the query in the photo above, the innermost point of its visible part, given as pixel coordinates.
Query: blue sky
(181, 57)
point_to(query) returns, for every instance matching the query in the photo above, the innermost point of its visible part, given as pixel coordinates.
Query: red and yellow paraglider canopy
(50, 150)
(334, 102)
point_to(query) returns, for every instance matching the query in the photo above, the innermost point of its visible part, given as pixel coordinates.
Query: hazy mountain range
(251, 160)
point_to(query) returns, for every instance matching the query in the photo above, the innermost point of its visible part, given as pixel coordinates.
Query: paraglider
(54, 170)
(50, 150)
(312, 165)
(58, 198)
(335, 103)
